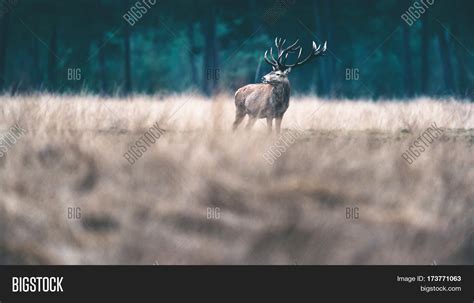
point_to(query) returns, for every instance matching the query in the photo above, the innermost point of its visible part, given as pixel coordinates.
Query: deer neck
(281, 92)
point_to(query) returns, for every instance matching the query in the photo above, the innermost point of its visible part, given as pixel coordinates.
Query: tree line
(377, 49)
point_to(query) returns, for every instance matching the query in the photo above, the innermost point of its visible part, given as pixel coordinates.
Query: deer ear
(287, 71)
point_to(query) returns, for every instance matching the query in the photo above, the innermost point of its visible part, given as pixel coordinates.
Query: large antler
(280, 62)
(315, 52)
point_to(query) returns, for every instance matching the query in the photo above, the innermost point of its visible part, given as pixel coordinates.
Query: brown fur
(260, 101)
(271, 99)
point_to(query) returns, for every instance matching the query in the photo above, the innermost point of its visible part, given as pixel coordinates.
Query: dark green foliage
(212, 46)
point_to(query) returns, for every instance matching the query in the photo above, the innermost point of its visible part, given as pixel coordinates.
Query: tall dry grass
(290, 212)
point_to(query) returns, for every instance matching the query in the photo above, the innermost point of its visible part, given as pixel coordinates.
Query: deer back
(254, 97)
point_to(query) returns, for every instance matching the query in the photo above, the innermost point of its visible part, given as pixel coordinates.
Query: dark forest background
(208, 46)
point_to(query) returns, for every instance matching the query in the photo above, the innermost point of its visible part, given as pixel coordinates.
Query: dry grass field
(204, 195)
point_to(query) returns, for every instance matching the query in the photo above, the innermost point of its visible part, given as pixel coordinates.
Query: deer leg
(278, 124)
(239, 116)
(269, 124)
(251, 122)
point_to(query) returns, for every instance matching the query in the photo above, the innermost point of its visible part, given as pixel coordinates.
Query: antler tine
(321, 50)
(292, 48)
(282, 43)
(271, 54)
(315, 52)
(299, 54)
(279, 42)
(271, 60)
(294, 44)
(295, 50)
(266, 58)
(282, 54)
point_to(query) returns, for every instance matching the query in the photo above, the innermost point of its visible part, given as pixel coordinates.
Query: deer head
(280, 67)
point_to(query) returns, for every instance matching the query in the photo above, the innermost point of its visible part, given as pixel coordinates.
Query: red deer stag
(271, 98)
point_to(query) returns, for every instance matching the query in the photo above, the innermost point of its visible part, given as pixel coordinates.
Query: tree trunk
(446, 61)
(127, 62)
(408, 65)
(102, 67)
(101, 55)
(192, 54)
(462, 56)
(320, 74)
(329, 32)
(4, 22)
(211, 68)
(52, 56)
(35, 60)
(254, 15)
(258, 70)
(425, 67)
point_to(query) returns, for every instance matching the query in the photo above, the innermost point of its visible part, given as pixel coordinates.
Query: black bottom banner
(221, 283)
